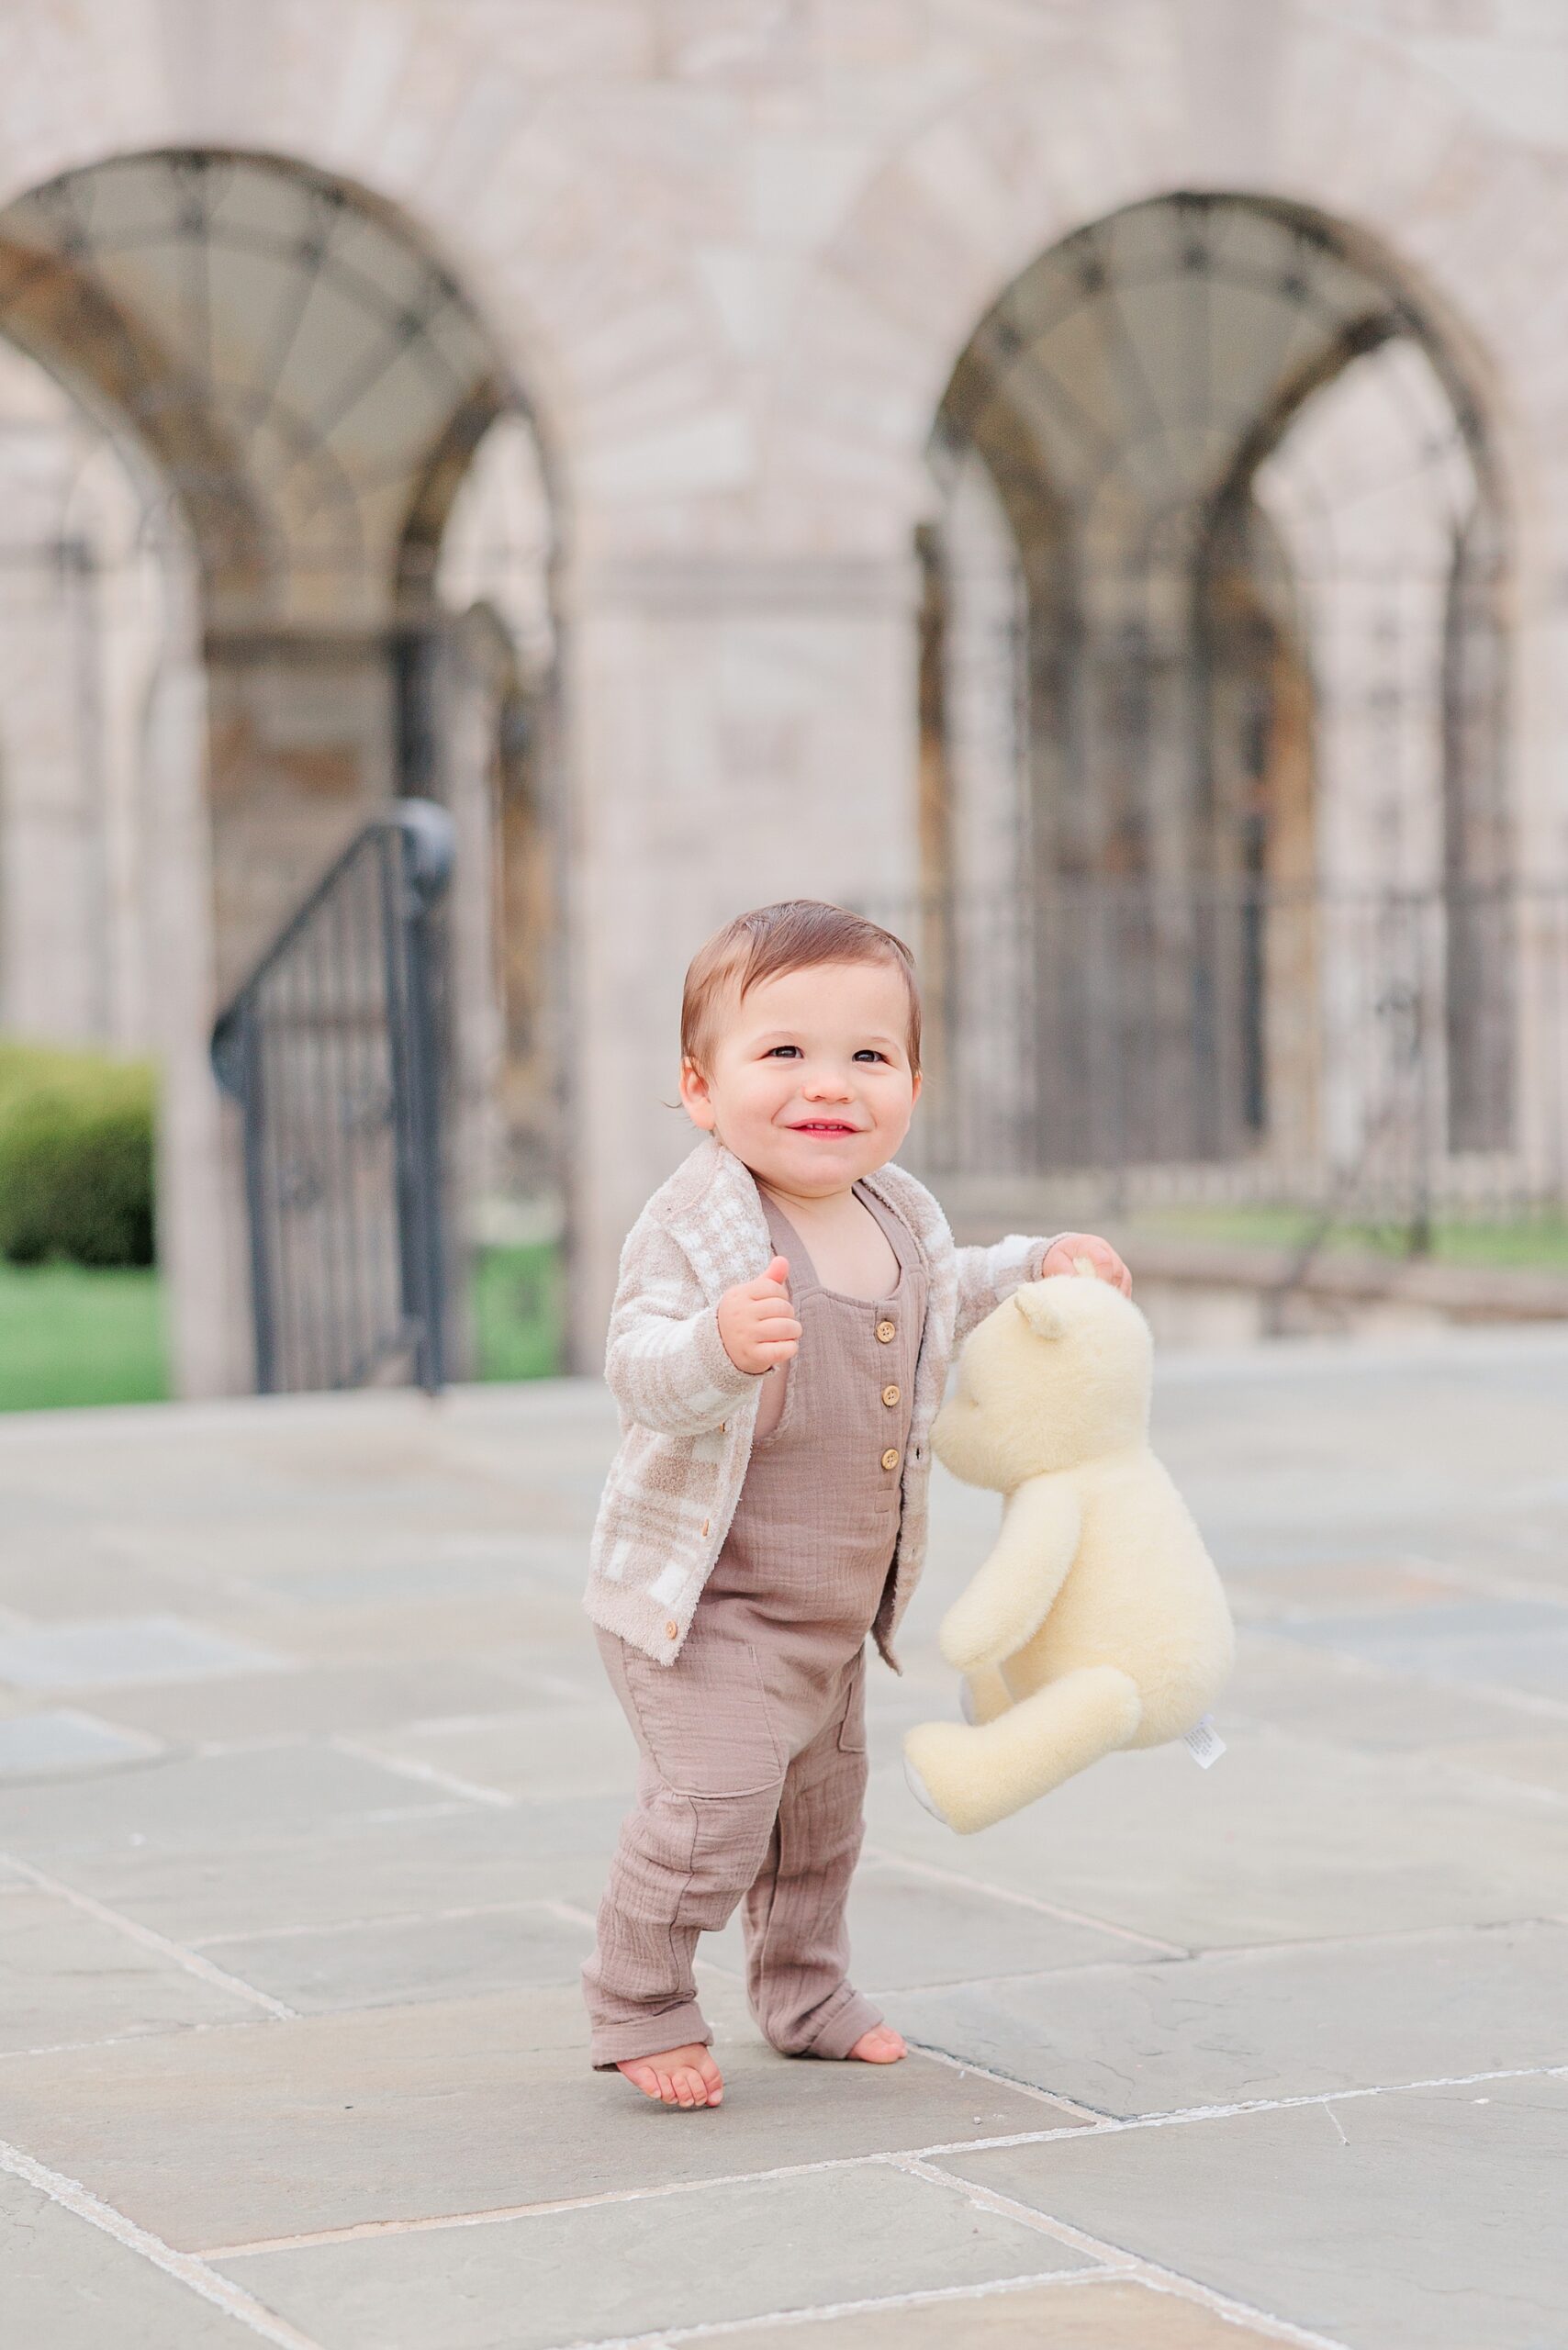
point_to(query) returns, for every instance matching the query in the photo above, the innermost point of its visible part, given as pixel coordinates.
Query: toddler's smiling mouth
(823, 1126)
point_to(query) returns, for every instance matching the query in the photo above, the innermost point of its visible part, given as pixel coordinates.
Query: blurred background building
(1084, 483)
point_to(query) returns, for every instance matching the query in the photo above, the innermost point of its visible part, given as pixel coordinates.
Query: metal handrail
(332, 1046)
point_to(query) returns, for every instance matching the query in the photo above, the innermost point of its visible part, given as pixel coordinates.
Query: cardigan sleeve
(987, 1275)
(665, 1362)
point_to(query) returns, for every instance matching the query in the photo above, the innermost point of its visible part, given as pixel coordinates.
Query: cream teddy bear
(1098, 1620)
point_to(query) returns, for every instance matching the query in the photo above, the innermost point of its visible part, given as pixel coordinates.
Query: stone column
(741, 731)
(201, 1228)
(994, 1041)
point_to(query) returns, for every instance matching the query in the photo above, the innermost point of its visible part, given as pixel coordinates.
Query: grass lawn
(519, 1310)
(1533, 1244)
(70, 1335)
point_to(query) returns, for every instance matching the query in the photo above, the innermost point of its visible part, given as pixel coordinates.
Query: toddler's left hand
(1107, 1265)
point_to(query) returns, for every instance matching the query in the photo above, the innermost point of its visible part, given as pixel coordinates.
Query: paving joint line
(1373, 1938)
(570, 1915)
(963, 2068)
(191, 1961)
(125, 2039)
(265, 1742)
(1365, 1668)
(1146, 2272)
(720, 2329)
(1103, 2126)
(1480, 1579)
(427, 1774)
(884, 1854)
(375, 1925)
(1498, 1783)
(391, 1815)
(187, 2268)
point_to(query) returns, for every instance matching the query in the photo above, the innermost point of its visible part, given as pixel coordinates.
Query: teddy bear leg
(984, 1694)
(971, 1778)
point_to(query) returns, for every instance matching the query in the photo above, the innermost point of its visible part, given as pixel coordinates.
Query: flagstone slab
(907, 1929)
(391, 1962)
(478, 2105)
(1538, 1759)
(55, 1579)
(1520, 1644)
(740, 2250)
(448, 1566)
(203, 1799)
(1316, 1586)
(1424, 2220)
(534, 1752)
(71, 2286)
(1286, 1837)
(366, 1533)
(65, 1975)
(475, 1626)
(432, 1853)
(311, 1700)
(1264, 2023)
(36, 1745)
(1099, 2312)
(395, 1582)
(104, 1651)
(1341, 1700)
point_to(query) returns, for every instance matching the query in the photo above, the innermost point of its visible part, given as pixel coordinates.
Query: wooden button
(890, 1458)
(705, 1526)
(886, 1330)
(890, 1395)
(671, 1629)
(722, 1426)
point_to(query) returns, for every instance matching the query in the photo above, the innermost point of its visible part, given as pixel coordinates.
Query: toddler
(787, 1304)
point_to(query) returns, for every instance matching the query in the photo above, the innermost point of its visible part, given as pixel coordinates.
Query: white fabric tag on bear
(1204, 1744)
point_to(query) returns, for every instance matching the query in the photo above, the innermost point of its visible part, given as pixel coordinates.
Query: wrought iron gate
(332, 1049)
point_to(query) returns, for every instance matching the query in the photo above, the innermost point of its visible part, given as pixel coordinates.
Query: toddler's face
(811, 1084)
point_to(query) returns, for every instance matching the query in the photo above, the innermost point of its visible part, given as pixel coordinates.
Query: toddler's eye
(780, 1049)
(873, 1051)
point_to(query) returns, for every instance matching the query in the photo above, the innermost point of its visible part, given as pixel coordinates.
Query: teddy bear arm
(1011, 1594)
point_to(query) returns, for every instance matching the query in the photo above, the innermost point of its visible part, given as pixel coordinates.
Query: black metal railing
(331, 1048)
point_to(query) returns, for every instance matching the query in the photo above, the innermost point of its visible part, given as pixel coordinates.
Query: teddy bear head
(1055, 1375)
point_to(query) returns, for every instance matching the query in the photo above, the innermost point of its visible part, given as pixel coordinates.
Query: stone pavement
(306, 1784)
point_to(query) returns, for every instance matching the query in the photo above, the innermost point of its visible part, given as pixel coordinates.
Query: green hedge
(76, 1158)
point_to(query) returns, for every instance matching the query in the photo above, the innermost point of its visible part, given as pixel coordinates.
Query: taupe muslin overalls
(753, 1743)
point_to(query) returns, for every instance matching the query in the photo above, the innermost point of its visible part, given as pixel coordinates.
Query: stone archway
(300, 385)
(1218, 559)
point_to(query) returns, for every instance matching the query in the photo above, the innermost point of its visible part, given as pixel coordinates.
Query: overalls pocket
(852, 1722)
(705, 1720)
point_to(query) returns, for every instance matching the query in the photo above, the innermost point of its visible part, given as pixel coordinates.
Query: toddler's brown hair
(788, 936)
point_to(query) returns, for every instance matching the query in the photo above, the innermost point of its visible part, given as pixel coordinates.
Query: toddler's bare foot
(686, 2076)
(880, 2046)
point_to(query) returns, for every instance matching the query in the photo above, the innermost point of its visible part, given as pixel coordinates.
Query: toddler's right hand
(755, 1321)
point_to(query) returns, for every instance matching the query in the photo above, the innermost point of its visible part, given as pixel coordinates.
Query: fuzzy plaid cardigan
(688, 1412)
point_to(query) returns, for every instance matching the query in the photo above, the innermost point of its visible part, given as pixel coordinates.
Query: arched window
(1212, 708)
(299, 388)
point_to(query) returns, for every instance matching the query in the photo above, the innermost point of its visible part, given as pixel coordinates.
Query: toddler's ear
(1035, 1302)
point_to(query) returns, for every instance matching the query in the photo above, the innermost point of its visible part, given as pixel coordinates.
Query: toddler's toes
(678, 2075)
(691, 2088)
(880, 2046)
(684, 2076)
(712, 2080)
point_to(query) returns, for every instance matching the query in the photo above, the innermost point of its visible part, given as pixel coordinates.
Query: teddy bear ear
(1035, 1302)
